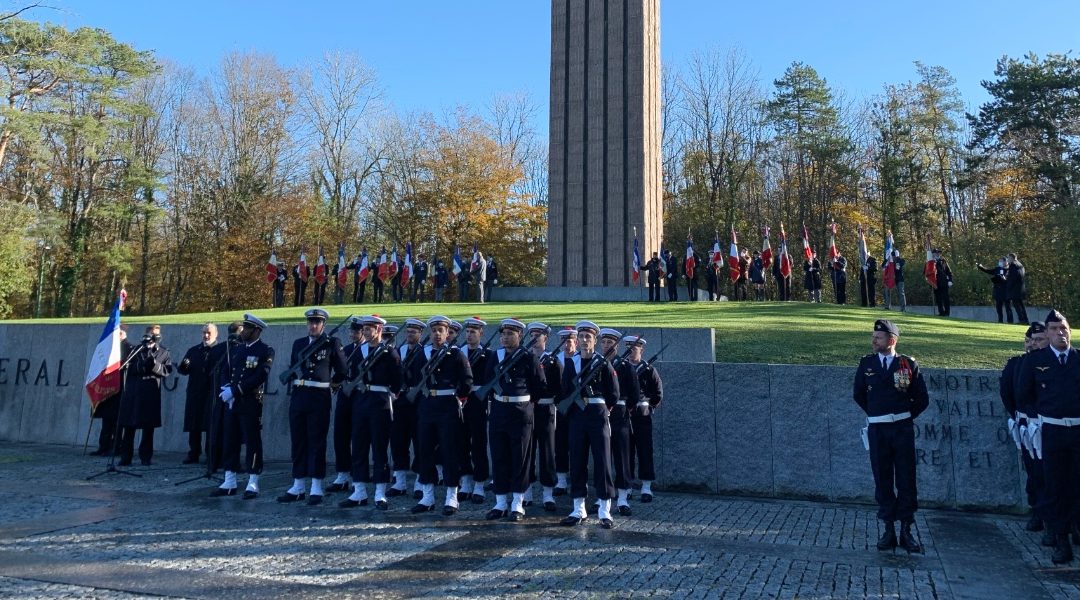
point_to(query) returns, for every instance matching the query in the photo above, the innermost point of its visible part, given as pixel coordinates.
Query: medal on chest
(902, 376)
(251, 362)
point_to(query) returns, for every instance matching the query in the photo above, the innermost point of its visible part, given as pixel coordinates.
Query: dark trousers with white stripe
(511, 426)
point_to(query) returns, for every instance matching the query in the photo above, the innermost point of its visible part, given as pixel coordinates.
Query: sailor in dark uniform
(544, 416)
(652, 394)
(562, 426)
(444, 381)
(519, 382)
(474, 442)
(403, 429)
(1051, 377)
(589, 426)
(343, 415)
(309, 407)
(890, 388)
(1023, 415)
(629, 396)
(375, 369)
(246, 372)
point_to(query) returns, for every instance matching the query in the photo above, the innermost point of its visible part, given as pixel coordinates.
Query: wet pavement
(118, 536)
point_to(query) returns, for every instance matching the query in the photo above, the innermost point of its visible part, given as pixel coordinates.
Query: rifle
(295, 369)
(583, 379)
(423, 389)
(557, 348)
(641, 367)
(365, 366)
(409, 360)
(484, 346)
(503, 368)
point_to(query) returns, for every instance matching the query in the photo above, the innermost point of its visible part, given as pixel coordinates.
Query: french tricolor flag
(103, 377)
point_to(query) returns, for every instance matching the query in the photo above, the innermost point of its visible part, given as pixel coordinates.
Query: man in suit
(944, 283)
(200, 394)
(671, 276)
(652, 274)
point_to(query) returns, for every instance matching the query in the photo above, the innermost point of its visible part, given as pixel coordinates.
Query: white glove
(950, 284)
(1036, 439)
(1025, 439)
(1014, 431)
(226, 396)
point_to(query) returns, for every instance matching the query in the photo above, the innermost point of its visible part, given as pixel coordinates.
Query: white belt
(1066, 422)
(1020, 415)
(442, 392)
(595, 401)
(546, 401)
(620, 403)
(643, 404)
(513, 398)
(312, 384)
(377, 388)
(891, 418)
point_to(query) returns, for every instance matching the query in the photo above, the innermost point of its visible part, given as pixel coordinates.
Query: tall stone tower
(604, 174)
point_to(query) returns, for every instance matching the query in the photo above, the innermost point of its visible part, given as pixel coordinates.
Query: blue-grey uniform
(511, 423)
(891, 391)
(475, 468)
(309, 407)
(1052, 377)
(247, 370)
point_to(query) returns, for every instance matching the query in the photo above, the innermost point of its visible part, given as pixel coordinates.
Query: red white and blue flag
(785, 258)
(733, 256)
(458, 265)
(691, 262)
(320, 268)
(833, 250)
(863, 252)
(889, 277)
(807, 252)
(475, 265)
(392, 266)
(663, 262)
(716, 257)
(342, 271)
(304, 271)
(380, 266)
(766, 248)
(406, 268)
(103, 377)
(635, 268)
(930, 270)
(271, 267)
(363, 268)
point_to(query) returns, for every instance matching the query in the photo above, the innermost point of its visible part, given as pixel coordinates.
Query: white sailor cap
(373, 320)
(389, 330)
(565, 333)
(538, 326)
(416, 324)
(475, 322)
(512, 324)
(316, 314)
(356, 323)
(587, 326)
(634, 340)
(438, 320)
(454, 325)
(611, 333)
(250, 319)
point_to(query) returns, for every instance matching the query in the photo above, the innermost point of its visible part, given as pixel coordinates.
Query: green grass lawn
(789, 333)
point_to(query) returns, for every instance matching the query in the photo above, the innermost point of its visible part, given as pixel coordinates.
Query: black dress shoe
(190, 460)
(1034, 524)
(559, 491)
(1062, 550)
(549, 506)
(527, 503)
(571, 521)
(477, 499)
(462, 496)
(625, 511)
(219, 492)
(314, 499)
(449, 511)
(347, 503)
(394, 492)
(250, 494)
(607, 523)
(289, 497)
(422, 508)
(495, 513)
(338, 487)
(646, 498)
(887, 541)
(907, 541)
(516, 516)
(417, 495)
(1075, 535)
(381, 505)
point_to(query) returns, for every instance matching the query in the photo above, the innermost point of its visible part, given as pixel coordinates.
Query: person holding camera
(140, 406)
(998, 277)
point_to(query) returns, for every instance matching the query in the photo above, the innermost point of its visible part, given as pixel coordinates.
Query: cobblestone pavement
(118, 536)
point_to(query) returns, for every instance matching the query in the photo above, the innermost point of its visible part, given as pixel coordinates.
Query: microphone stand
(210, 444)
(110, 467)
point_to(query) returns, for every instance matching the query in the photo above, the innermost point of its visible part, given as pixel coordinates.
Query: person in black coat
(1016, 287)
(783, 284)
(671, 276)
(944, 283)
(475, 467)
(279, 285)
(492, 278)
(868, 283)
(420, 275)
(812, 278)
(140, 406)
(641, 433)
(1023, 415)
(619, 417)
(890, 389)
(692, 277)
(652, 275)
(200, 393)
(838, 274)
(463, 279)
(998, 275)
(442, 280)
(299, 286)
(108, 410)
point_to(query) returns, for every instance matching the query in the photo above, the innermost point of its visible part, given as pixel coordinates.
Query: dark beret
(1055, 317)
(887, 326)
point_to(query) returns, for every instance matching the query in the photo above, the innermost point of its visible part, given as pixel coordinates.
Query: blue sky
(434, 55)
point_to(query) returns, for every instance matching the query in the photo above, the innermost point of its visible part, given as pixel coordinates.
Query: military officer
(403, 429)
(343, 417)
(652, 394)
(1050, 377)
(519, 383)
(309, 406)
(444, 381)
(589, 426)
(248, 368)
(544, 415)
(376, 371)
(1023, 416)
(629, 396)
(890, 388)
(562, 426)
(474, 447)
